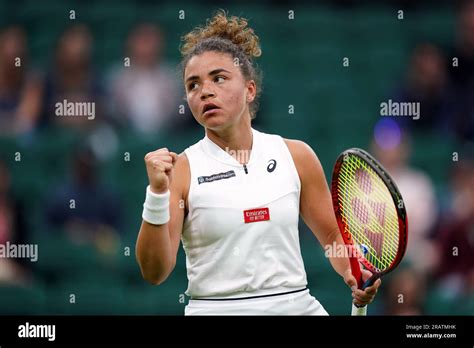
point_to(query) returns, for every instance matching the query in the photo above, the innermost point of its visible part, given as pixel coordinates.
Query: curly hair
(227, 35)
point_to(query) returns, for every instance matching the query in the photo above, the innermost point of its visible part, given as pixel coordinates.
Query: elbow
(157, 276)
(154, 279)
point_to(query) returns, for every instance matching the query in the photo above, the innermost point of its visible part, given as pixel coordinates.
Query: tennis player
(236, 215)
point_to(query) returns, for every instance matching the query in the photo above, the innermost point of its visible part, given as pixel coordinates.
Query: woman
(237, 215)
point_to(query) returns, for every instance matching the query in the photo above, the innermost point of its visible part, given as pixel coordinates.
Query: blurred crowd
(144, 93)
(441, 224)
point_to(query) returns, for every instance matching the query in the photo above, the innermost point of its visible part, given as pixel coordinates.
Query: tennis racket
(371, 216)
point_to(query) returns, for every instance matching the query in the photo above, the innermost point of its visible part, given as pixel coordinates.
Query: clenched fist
(159, 167)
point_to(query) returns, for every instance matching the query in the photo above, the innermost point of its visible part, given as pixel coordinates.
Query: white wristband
(156, 209)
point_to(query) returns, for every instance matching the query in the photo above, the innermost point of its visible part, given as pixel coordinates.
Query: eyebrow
(211, 73)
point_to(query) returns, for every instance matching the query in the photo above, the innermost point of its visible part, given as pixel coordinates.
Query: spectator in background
(146, 93)
(462, 75)
(406, 291)
(94, 214)
(426, 83)
(12, 229)
(72, 78)
(20, 88)
(456, 233)
(392, 148)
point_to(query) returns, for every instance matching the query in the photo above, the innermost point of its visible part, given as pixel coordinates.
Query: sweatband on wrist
(156, 209)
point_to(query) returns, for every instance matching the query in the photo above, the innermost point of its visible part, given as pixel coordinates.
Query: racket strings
(368, 212)
(367, 234)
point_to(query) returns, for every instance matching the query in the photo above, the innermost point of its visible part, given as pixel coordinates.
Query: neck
(234, 139)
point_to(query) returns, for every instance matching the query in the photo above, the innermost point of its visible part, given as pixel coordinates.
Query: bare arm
(315, 201)
(157, 245)
(318, 214)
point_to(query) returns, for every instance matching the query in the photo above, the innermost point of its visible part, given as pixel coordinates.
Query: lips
(208, 107)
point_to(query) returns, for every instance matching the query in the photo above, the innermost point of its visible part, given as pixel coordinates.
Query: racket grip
(370, 281)
(358, 311)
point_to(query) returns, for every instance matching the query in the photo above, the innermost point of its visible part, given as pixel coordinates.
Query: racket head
(370, 212)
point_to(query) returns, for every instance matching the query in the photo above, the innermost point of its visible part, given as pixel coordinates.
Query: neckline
(223, 156)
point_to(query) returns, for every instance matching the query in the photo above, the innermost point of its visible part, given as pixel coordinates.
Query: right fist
(159, 167)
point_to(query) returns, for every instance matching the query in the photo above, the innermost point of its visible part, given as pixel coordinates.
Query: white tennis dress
(241, 233)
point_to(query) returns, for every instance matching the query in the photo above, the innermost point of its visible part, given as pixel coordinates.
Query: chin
(216, 123)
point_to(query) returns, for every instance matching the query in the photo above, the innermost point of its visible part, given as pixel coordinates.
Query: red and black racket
(371, 216)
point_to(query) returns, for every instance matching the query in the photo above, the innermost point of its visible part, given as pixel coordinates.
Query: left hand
(362, 297)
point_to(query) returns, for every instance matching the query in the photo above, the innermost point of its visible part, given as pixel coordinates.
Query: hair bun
(232, 28)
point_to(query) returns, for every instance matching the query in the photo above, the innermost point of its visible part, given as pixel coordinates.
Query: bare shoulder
(304, 157)
(182, 174)
(301, 152)
(299, 148)
(181, 178)
(182, 162)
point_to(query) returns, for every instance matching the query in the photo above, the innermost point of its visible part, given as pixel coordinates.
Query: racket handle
(358, 311)
(370, 281)
(362, 310)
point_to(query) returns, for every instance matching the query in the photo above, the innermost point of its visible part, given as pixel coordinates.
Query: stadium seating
(335, 108)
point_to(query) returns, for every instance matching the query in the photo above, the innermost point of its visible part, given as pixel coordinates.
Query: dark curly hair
(227, 35)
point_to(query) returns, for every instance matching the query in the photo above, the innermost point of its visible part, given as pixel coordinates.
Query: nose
(207, 91)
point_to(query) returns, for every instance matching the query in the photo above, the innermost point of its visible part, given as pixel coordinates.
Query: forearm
(153, 252)
(333, 247)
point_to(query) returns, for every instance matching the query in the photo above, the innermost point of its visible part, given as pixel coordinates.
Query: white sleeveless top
(241, 232)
